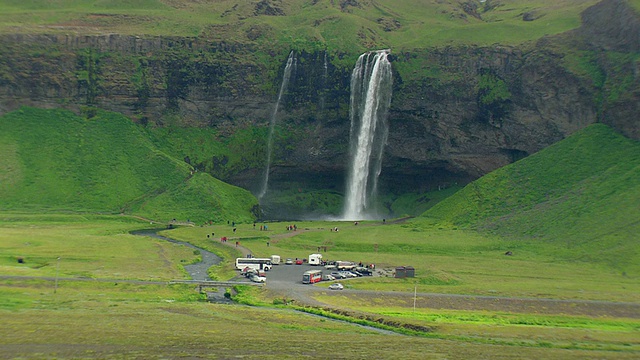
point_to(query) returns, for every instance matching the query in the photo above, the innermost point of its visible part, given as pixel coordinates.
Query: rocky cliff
(456, 114)
(611, 29)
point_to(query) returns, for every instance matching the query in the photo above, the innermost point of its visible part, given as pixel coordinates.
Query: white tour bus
(253, 263)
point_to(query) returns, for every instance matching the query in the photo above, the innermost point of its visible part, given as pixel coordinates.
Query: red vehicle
(312, 276)
(298, 261)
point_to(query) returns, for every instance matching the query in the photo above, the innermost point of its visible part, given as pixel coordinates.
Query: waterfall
(371, 86)
(291, 61)
(325, 74)
(325, 65)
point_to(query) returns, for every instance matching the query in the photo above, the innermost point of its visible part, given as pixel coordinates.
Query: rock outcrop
(611, 29)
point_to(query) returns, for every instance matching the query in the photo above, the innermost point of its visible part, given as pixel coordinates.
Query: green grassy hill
(343, 25)
(581, 195)
(52, 160)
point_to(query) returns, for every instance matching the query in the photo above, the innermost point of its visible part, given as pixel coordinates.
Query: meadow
(343, 26)
(113, 296)
(105, 323)
(448, 261)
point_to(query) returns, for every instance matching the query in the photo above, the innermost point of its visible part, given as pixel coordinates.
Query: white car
(338, 275)
(336, 286)
(258, 279)
(348, 274)
(328, 277)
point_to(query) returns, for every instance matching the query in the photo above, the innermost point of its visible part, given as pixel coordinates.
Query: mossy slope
(55, 160)
(582, 194)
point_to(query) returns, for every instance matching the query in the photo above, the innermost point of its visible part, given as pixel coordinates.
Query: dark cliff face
(501, 104)
(612, 25)
(456, 114)
(611, 29)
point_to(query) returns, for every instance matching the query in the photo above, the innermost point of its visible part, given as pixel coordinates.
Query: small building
(405, 271)
(409, 271)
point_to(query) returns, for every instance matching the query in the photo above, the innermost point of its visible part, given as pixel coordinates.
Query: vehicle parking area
(283, 275)
(287, 275)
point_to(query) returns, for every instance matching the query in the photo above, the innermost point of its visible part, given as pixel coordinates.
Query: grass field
(94, 247)
(342, 26)
(102, 314)
(147, 322)
(448, 261)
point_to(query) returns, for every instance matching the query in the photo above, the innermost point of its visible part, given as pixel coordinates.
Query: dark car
(364, 271)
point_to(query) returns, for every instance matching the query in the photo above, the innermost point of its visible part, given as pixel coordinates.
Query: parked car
(248, 272)
(364, 271)
(336, 286)
(348, 274)
(338, 275)
(330, 265)
(328, 277)
(298, 261)
(345, 265)
(258, 279)
(289, 261)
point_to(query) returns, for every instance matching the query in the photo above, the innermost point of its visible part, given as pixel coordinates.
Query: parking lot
(290, 273)
(287, 276)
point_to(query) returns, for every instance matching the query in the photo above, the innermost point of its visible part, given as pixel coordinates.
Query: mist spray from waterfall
(371, 88)
(272, 125)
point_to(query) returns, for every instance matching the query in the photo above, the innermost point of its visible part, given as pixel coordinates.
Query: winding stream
(197, 271)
